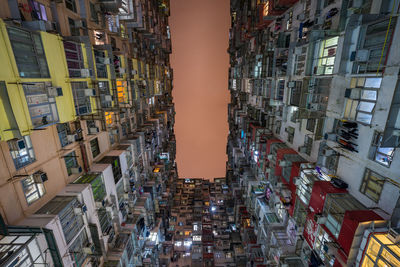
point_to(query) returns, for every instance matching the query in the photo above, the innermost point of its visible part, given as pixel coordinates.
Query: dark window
(94, 147)
(101, 66)
(73, 29)
(93, 13)
(310, 125)
(372, 185)
(71, 5)
(75, 62)
(29, 53)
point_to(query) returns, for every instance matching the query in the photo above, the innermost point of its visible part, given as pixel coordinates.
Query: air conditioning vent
(394, 235)
(55, 91)
(106, 60)
(85, 73)
(90, 92)
(93, 130)
(89, 250)
(72, 138)
(121, 70)
(362, 55)
(40, 177)
(302, 149)
(134, 72)
(285, 163)
(76, 170)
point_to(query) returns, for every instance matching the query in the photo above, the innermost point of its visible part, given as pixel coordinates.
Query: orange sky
(200, 33)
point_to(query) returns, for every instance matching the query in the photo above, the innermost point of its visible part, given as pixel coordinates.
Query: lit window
(197, 238)
(178, 243)
(382, 155)
(33, 189)
(22, 152)
(187, 243)
(372, 185)
(326, 59)
(39, 10)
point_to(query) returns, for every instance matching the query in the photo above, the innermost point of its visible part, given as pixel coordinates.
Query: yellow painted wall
(57, 64)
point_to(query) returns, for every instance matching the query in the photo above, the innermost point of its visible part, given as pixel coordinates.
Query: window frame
(36, 189)
(15, 154)
(71, 5)
(70, 161)
(94, 143)
(376, 146)
(321, 57)
(367, 179)
(33, 42)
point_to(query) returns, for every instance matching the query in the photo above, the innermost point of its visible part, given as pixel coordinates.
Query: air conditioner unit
(122, 70)
(301, 17)
(144, 83)
(114, 131)
(108, 98)
(54, 91)
(297, 181)
(90, 92)
(40, 177)
(79, 23)
(278, 185)
(393, 235)
(89, 250)
(291, 84)
(302, 149)
(76, 170)
(285, 163)
(321, 220)
(109, 209)
(93, 130)
(78, 211)
(106, 60)
(362, 55)
(327, 152)
(85, 73)
(72, 137)
(270, 157)
(134, 72)
(99, 204)
(314, 106)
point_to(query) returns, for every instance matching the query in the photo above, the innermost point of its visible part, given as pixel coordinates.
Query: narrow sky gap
(200, 32)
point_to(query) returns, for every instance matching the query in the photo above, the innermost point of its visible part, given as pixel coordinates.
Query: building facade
(313, 129)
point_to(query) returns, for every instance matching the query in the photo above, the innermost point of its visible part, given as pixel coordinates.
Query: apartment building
(312, 147)
(86, 131)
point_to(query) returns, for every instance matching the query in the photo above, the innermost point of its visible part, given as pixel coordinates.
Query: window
(70, 162)
(122, 92)
(22, 152)
(382, 155)
(94, 147)
(369, 57)
(290, 134)
(326, 59)
(333, 225)
(73, 54)
(33, 190)
(295, 93)
(63, 130)
(93, 13)
(72, 28)
(81, 99)
(29, 53)
(310, 125)
(372, 185)
(71, 5)
(38, 11)
(361, 98)
(42, 107)
(308, 141)
(101, 67)
(320, 245)
(105, 95)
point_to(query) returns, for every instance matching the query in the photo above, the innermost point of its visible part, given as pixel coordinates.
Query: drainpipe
(84, 157)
